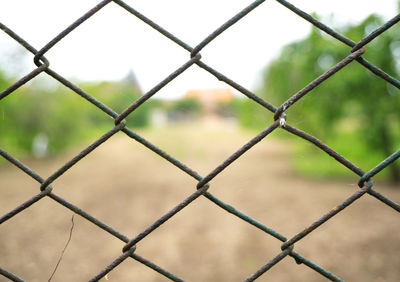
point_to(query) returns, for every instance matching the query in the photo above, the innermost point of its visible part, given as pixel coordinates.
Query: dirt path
(129, 187)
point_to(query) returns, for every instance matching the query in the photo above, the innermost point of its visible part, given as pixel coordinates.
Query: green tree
(61, 115)
(353, 100)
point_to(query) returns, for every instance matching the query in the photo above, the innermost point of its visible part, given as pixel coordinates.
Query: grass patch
(313, 162)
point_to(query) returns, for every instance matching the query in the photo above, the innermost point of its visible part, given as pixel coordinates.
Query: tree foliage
(353, 100)
(62, 115)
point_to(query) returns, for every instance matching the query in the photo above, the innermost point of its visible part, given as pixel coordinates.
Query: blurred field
(128, 187)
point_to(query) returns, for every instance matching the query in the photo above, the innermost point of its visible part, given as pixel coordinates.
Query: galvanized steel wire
(356, 50)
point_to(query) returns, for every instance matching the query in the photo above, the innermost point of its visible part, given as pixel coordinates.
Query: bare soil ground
(128, 187)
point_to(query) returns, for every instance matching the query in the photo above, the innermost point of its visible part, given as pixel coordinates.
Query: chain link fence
(365, 183)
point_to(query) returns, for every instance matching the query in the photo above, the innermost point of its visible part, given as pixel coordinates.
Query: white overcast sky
(112, 42)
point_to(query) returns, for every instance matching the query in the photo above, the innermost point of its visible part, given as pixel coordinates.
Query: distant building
(213, 102)
(211, 98)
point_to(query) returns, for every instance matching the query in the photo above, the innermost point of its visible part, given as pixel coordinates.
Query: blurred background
(284, 182)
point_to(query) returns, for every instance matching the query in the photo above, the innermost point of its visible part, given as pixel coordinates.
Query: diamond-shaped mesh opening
(130, 188)
(102, 51)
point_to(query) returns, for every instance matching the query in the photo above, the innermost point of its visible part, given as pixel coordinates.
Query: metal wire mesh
(356, 51)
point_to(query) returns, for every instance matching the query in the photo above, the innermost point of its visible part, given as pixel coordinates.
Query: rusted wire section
(317, 82)
(10, 275)
(203, 186)
(269, 265)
